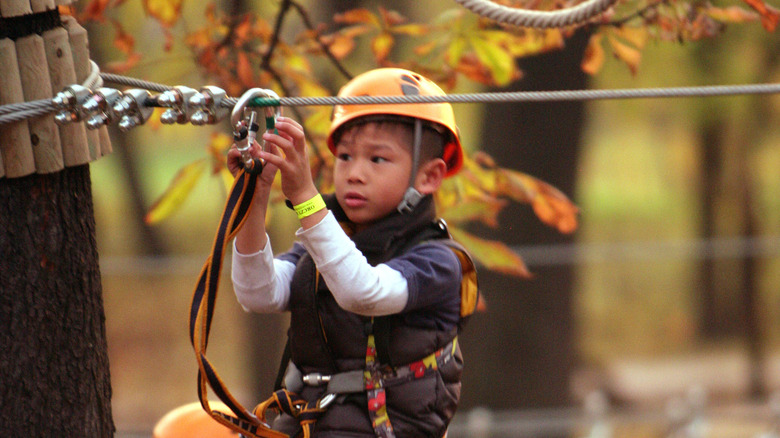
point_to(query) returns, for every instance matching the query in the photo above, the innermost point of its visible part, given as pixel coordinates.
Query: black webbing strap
(202, 311)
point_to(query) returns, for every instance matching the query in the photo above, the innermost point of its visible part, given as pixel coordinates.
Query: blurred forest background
(669, 289)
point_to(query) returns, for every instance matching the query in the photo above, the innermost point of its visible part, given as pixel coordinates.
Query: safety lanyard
(202, 312)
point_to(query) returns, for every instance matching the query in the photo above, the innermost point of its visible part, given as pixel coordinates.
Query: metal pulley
(244, 117)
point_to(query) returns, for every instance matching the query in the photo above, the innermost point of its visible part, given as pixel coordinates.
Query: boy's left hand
(292, 161)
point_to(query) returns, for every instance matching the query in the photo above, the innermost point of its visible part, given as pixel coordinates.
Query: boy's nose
(356, 173)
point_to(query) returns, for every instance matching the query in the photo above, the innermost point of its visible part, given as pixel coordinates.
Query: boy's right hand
(235, 163)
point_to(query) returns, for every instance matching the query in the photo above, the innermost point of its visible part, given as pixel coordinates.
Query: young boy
(373, 288)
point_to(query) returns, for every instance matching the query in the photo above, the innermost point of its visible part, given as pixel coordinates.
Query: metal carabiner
(245, 126)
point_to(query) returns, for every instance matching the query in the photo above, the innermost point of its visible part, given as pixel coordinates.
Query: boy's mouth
(354, 200)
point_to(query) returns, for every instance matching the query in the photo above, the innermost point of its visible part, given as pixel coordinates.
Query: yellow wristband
(309, 207)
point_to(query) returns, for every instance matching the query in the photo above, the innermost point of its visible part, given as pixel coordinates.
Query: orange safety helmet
(399, 82)
(191, 421)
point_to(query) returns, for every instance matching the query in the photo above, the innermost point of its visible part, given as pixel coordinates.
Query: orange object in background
(191, 421)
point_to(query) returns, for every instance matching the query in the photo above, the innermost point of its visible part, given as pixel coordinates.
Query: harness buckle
(315, 379)
(325, 401)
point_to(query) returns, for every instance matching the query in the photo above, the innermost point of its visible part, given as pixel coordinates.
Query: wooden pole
(41, 5)
(61, 71)
(36, 84)
(14, 8)
(15, 145)
(79, 45)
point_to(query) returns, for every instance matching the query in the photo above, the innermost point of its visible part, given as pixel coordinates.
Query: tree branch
(309, 25)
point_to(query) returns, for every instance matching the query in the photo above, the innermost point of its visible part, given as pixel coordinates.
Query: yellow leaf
(500, 64)
(636, 36)
(177, 192)
(167, 12)
(411, 29)
(455, 51)
(484, 210)
(381, 45)
(593, 59)
(493, 255)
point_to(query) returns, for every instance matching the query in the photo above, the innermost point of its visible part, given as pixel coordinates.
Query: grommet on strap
(245, 127)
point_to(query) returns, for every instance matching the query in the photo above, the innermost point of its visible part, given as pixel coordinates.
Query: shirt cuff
(252, 269)
(326, 241)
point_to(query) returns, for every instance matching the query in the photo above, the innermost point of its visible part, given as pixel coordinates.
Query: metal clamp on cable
(133, 108)
(209, 100)
(101, 104)
(178, 101)
(245, 127)
(69, 101)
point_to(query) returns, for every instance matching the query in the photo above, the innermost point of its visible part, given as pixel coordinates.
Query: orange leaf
(391, 18)
(551, 206)
(357, 16)
(733, 14)
(167, 12)
(244, 70)
(769, 15)
(176, 193)
(493, 255)
(123, 40)
(94, 10)
(630, 55)
(593, 59)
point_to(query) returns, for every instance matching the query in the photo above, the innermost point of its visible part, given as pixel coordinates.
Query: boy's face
(371, 174)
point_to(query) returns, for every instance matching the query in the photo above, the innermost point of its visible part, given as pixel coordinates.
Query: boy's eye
(343, 157)
(378, 159)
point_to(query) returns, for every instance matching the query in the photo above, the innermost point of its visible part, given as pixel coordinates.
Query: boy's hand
(291, 158)
(236, 163)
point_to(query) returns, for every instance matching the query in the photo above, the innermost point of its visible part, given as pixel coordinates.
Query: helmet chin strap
(412, 197)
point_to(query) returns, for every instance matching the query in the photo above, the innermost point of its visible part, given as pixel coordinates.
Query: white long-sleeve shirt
(428, 276)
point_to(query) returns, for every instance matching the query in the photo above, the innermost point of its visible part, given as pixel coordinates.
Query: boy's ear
(430, 176)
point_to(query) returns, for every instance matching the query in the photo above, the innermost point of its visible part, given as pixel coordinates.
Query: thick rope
(538, 19)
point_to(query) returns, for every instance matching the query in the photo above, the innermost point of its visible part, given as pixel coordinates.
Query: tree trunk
(54, 374)
(520, 353)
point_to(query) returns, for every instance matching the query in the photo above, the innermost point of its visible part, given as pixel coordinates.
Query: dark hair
(433, 136)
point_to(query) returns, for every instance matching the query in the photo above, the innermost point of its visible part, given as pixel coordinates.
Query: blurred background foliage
(671, 279)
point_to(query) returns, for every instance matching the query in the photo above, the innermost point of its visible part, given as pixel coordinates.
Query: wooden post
(61, 71)
(44, 135)
(41, 5)
(14, 8)
(79, 45)
(17, 153)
